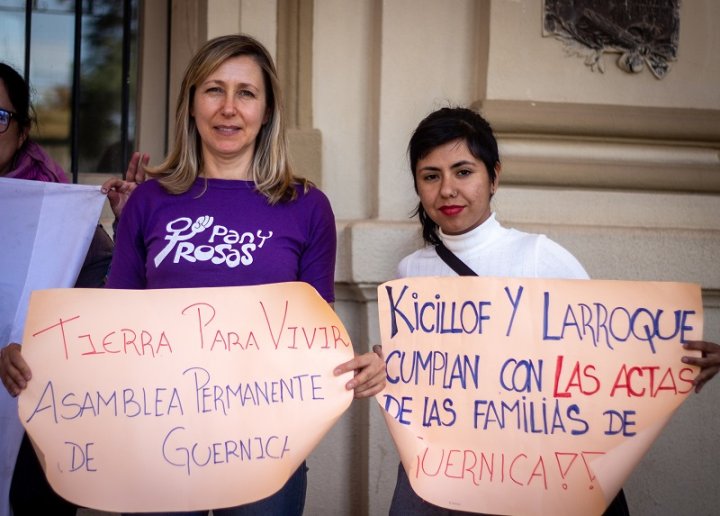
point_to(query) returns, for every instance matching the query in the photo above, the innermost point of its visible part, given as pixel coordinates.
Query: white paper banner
(45, 230)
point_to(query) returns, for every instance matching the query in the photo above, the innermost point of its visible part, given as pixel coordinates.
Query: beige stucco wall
(383, 65)
(544, 72)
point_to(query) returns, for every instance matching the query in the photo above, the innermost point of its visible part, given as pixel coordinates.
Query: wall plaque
(643, 32)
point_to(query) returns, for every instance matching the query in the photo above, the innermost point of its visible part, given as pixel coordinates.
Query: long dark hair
(443, 126)
(19, 93)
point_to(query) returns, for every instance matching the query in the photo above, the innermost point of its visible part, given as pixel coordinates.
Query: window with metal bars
(80, 59)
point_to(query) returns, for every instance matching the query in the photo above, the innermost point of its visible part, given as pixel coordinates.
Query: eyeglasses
(5, 117)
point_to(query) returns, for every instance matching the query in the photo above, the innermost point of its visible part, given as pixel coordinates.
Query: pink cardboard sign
(183, 399)
(531, 396)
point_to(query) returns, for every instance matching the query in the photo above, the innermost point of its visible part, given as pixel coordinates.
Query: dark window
(81, 61)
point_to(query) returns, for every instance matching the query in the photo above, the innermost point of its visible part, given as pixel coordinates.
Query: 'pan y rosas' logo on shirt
(224, 245)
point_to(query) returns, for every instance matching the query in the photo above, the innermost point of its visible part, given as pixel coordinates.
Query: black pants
(618, 507)
(30, 493)
(406, 502)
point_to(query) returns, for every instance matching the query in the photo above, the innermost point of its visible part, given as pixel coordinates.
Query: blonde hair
(270, 169)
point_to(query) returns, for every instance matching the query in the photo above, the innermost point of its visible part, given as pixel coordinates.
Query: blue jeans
(289, 501)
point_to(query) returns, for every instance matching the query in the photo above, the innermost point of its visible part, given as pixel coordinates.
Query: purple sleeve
(127, 269)
(317, 262)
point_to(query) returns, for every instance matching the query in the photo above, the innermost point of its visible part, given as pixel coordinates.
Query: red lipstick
(451, 210)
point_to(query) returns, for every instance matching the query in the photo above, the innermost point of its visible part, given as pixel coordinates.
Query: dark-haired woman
(456, 172)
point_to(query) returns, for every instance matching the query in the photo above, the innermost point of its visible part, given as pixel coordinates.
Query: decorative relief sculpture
(644, 32)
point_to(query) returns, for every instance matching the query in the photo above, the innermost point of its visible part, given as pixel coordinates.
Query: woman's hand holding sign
(14, 371)
(709, 362)
(370, 373)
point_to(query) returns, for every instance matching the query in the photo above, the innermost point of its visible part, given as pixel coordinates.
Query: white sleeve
(402, 268)
(554, 261)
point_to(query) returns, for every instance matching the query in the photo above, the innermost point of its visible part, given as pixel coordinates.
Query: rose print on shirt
(224, 245)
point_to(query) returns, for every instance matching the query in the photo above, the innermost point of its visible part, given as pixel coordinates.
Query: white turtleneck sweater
(492, 250)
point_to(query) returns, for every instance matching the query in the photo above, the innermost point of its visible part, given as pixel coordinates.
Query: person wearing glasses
(23, 158)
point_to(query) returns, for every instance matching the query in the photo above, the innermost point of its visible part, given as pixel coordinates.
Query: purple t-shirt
(227, 235)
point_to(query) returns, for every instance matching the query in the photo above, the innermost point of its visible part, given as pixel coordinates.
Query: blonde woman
(225, 208)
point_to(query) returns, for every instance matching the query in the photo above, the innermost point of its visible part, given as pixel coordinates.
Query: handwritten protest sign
(181, 399)
(531, 396)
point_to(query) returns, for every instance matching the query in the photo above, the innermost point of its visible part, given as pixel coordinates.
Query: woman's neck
(237, 168)
(478, 236)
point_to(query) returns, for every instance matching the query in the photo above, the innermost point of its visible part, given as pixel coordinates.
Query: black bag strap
(453, 261)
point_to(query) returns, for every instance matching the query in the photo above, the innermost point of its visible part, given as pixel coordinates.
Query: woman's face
(454, 187)
(230, 107)
(13, 138)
